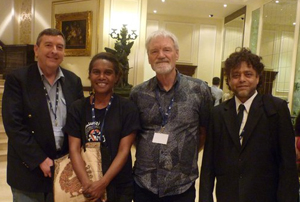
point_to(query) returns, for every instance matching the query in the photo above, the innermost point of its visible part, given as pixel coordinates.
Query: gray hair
(162, 33)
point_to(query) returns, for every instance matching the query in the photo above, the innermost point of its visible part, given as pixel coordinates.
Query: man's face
(162, 55)
(243, 81)
(50, 51)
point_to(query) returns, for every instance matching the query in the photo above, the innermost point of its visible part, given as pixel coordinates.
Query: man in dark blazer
(252, 161)
(35, 102)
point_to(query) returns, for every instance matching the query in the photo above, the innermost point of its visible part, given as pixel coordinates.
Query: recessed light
(225, 5)
(211, 15)
(294, 23)
(155, 11)
(277, 1)
(163, 1)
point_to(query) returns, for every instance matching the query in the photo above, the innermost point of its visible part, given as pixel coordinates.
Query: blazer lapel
(254, 116)
(35, 91)
(39, 103)
(230, 122)
(65, 86)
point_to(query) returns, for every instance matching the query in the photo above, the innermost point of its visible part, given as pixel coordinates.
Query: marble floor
(5, 192)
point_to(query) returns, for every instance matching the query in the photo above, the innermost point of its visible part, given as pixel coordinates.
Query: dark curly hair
(107, 56)
(244, 55)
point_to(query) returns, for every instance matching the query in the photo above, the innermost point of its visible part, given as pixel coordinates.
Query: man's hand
(45, 167)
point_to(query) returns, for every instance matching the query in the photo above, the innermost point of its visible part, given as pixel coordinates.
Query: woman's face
(103, 76)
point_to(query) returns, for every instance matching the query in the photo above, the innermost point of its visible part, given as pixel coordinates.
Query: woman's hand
(96, 190)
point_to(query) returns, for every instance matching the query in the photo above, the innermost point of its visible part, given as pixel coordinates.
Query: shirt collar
(60, 75)
(247, 104)
(176, 82)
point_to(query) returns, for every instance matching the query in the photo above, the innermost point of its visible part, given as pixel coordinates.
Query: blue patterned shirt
(170, 169)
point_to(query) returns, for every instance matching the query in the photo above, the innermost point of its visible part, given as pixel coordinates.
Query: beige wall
(7, 22)
(200, 42)
(79, 65)
(106, 14)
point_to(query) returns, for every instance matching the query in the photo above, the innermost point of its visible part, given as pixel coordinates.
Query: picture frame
(77, 30)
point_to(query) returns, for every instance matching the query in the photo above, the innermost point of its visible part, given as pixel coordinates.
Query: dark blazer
(263, 168)
(27, 123)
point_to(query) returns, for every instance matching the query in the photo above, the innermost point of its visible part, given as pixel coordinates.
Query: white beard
(162, 68)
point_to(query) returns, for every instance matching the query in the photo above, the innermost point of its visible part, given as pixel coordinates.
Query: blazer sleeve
(16, 124)
(288, 178)
(207, 174)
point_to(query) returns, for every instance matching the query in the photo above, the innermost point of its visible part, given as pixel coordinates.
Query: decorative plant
(123, 45)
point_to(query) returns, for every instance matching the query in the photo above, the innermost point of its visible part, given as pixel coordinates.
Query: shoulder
(78, 106)
(23, 71)
(124, 102)
(274, 105)
(187, 80)
(79, 103)
(193, 85)
(226, 105)
(68, 74)
(271, 100)
(143, 88)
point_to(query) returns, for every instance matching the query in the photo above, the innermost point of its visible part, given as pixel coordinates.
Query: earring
(92, 92)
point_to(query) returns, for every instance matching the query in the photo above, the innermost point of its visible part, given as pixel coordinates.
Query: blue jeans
(24, 196)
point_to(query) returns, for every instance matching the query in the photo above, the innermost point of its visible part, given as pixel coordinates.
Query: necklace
(100, 133)
(54, 111)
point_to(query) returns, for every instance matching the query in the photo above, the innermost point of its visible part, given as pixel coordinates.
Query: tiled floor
(5, 192)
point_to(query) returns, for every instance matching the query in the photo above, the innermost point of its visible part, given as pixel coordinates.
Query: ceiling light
(294, 23)
(277, 1)
(211, 15)
(163, 1)
(225, 5)
(155, 11)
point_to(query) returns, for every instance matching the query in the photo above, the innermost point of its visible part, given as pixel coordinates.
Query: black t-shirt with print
(120, 120)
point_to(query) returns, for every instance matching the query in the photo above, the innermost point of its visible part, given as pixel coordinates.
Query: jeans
(24, 196)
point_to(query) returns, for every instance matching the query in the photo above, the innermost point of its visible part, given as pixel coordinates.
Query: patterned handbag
(66, 185)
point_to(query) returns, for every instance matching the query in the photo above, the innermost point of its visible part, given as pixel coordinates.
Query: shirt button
(29, 115)
(32, 132)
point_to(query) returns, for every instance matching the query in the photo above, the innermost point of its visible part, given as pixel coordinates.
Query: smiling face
(162, 55)
(103, 76)
(243, 81)
(50, 51)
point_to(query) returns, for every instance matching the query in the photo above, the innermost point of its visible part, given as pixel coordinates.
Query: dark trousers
(143, 195)
(25, 196)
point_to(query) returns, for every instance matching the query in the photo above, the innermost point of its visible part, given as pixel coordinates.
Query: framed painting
(77, 30)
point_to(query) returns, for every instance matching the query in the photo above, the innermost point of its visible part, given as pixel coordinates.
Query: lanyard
(54, 112)
(100, 134)
(165, 116)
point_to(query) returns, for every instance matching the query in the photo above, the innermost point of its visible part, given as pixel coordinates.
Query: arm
(97, 188)
(288, 178)
(202, 138)
(207, 175)
(17, 125)
(205, 113)
(77, 161)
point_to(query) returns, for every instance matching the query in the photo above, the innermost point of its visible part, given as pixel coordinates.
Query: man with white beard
(174, 112)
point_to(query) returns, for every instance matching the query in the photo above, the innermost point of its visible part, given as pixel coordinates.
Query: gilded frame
(77, 30)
